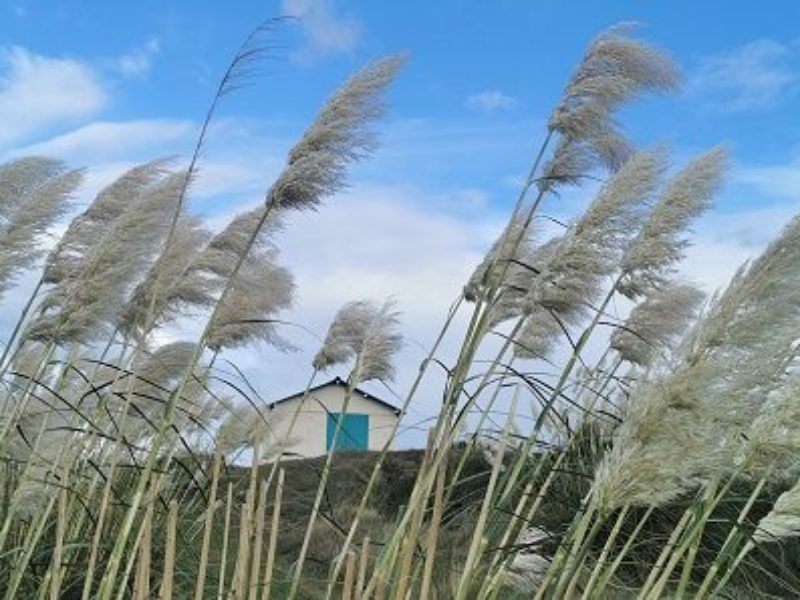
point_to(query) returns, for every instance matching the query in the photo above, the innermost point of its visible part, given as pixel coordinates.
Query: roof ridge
(338, 381)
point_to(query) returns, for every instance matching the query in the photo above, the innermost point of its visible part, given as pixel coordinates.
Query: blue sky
(107, 84)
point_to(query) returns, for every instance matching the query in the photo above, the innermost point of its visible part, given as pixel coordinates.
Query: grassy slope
(350, 472)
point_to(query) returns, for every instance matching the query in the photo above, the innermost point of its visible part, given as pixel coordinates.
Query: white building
(367, 425)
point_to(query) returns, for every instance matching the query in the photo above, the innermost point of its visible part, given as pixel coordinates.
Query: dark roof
(338, 381)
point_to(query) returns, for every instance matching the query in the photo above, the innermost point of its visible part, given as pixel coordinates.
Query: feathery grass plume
(248, 426)
(615, 69)
(341, 134)
(144, 399)
(783, 520)
(29, 360)
(344, 335)
(19, 176)
(656, 322)
(181, 289)
(261, 289)
(90, 227)
(156, 373)
(166, 364)
(88, 302)
(27, 365)
(523, 270)
(219, 258)
(37, 210)
(691, 423)
(365, 331)
(650, 259)
(509, 249)
(234, 239)
(572, 277)
(751, 331)
(573, 161)
(666, 445)
(539, 334)
(381, 343)
(773, 440)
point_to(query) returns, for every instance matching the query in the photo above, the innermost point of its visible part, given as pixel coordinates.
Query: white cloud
(752, 77)
(326, 31)
(490, 101)
(378, 241)
(778, 180)
(229, 173)
(137, 63)
(39, 91)
(224, 176)
(105, 140)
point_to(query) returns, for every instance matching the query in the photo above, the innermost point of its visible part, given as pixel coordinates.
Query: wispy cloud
(39, 91)
(490, 101)
(103, 140)
(755, 76)
(778, 180)
(137, 63)
(327, 32)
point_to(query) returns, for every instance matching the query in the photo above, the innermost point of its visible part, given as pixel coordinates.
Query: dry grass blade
(168, 575)
(269, 566)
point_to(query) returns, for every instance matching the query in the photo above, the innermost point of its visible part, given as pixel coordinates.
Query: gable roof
(339, 382)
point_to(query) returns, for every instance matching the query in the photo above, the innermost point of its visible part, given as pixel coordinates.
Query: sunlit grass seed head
(38, 210)
(341, 134)
(88, 229)
(366, 332)
(652, 255)
(656, 322)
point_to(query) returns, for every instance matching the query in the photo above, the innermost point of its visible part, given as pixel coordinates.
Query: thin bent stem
(18, 328)
(351, 384)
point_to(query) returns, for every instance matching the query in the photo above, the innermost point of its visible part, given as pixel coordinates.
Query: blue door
(354, 434)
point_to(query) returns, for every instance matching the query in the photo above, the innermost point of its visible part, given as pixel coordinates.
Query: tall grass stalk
(495, 570)
(601, 559)
(223, 559)
(211, 507)
(349, 576)
(473, 555)
(58, 548)
(258, 543)
(363, 565)
(323, 482)
(269, 566)
(607, 577)
(373, 478)
(168, 575)
(434, 527)
(729, 545)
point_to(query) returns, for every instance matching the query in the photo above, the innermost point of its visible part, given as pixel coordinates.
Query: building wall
(308, 436)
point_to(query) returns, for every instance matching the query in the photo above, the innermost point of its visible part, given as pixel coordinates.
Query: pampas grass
(656, 322)
(82, 307)
(660, 244)
(341, 134)
(363, 331)
(38, 208)
(649, 455)
(181, 293)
